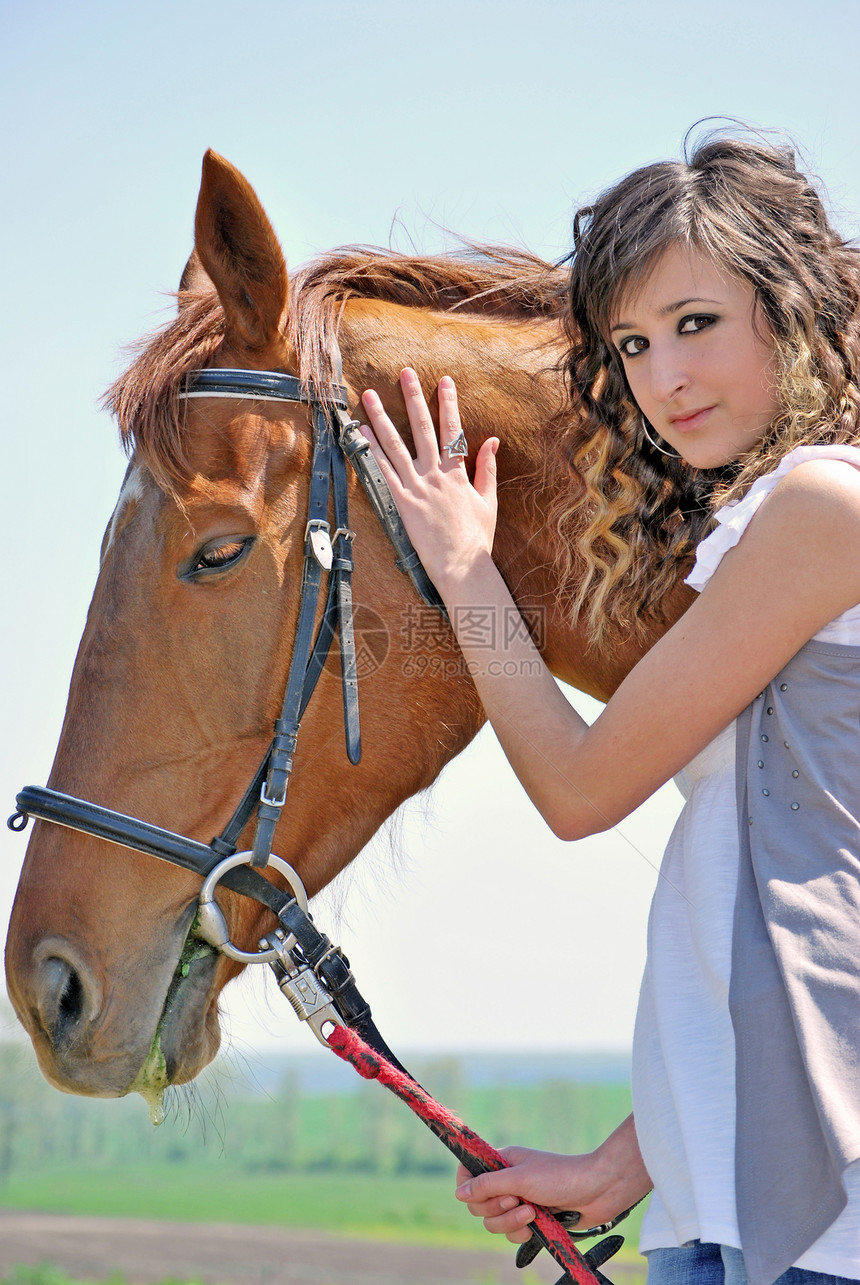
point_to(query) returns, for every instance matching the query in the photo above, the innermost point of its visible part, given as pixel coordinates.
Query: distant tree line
(287, 1130)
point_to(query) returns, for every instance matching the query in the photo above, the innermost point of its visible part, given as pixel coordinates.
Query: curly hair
(744, 204)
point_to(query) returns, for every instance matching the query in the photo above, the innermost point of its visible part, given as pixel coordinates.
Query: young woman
(715, 347)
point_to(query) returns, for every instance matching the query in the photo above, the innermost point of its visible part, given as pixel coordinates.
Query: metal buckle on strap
(351, 438)
(318, 539)
(273, 803)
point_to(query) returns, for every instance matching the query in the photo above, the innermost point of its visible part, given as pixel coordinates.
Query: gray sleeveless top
(795, 985)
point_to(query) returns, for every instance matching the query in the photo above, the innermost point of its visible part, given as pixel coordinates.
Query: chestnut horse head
(181, 668)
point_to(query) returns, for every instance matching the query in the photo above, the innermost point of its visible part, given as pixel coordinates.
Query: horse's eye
(218, 555)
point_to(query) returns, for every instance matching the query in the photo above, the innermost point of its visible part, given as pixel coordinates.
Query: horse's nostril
(61, 998)
(71, 1000)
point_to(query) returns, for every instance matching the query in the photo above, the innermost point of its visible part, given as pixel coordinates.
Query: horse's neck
(525, 552)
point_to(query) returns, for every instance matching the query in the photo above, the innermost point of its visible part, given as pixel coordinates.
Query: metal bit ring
(211, 925)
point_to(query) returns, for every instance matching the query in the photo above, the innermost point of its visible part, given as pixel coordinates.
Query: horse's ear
(237, 247)
(194, 280)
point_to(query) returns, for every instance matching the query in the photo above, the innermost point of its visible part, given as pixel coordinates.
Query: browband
(259, 385)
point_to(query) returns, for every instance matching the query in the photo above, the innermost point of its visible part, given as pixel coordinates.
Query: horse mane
(498, 282)
(493, 281)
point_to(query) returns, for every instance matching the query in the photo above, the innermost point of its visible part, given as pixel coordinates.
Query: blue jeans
(699, 1264)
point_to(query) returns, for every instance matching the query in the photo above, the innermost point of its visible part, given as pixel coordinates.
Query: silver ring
(211, 926)
(459, 448)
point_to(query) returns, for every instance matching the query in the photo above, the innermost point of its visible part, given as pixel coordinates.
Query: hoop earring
(674, 455)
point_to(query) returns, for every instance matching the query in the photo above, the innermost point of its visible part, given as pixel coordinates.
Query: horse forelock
(145, 399)
(498, 283)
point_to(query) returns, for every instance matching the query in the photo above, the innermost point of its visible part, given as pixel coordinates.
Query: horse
(181, 668)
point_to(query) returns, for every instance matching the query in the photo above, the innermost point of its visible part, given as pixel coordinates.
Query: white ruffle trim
(734, 518)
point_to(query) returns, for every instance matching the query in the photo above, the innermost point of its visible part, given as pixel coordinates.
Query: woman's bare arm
(796, 568)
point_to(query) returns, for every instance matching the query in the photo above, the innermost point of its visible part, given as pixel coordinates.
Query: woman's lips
(693, 419)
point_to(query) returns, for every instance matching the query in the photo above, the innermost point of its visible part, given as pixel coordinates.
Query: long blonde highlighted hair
(639, 514)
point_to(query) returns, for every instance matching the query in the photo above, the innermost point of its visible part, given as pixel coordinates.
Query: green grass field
(415, 1209)
(406, 1208)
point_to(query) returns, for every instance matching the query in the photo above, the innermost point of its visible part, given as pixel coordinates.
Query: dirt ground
(146, 1251)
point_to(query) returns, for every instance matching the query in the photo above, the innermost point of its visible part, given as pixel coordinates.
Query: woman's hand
(450, 522)
(599, 1186)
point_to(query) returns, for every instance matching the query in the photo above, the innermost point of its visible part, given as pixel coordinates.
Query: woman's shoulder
(808, 477)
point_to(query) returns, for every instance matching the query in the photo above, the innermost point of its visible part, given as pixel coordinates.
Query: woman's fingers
(492, 1208)
(389, 472)
(505, 1215)
(448, 449)
(385, 436)
(450, 523)
(452, 439)
(431, 448)
(513, 1223)
(486, 471)
(486, 1187)
(420, 419)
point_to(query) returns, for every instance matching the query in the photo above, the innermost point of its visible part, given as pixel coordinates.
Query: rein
(312, 973)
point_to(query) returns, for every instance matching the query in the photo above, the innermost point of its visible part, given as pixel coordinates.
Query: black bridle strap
(341, 578)
(227, 841)
(338, 611)
(317, 542)
(141, 836)
(260, 385)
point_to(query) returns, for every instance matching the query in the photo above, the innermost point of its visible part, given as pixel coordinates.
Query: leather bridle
(327, 550)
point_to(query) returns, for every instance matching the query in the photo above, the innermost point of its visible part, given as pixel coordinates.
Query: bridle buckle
(318, 540)
(273, 803)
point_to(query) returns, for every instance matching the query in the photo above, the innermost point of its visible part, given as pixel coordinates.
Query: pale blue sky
(494, 119)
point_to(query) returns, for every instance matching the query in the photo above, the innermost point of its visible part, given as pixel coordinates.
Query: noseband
(327, 550)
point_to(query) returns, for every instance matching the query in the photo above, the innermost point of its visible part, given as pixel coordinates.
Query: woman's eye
(691, 325)
(217, 555)
(632, 345)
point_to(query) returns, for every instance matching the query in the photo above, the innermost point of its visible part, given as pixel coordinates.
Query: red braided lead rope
(458, 1137)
